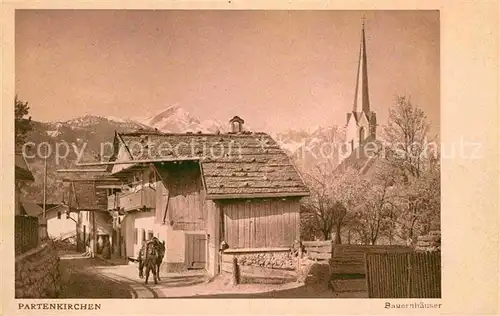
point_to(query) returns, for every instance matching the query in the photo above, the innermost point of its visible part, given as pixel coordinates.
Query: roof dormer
(236, 124)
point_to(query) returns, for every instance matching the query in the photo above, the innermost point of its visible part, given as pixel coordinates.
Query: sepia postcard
(230, 157)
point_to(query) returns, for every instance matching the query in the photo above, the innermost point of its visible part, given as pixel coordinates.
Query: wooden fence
(318, 250)
(404, 275)
(26, 233)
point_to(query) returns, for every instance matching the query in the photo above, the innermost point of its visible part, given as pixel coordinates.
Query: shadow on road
(78, 282)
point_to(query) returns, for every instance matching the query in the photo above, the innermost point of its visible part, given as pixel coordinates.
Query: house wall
(180, 193)
(175, 249)
(61, 227)
(261, 223)
(85, 224)
(180, 210)
(185, 196)
(351, 132)
(83, 227)
(131, 222)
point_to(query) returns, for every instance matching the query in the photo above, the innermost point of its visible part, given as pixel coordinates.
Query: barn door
(196, 247)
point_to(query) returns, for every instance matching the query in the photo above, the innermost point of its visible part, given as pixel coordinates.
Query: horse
(151, 256)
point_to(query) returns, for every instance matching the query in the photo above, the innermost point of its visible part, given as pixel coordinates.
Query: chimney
(236, 124)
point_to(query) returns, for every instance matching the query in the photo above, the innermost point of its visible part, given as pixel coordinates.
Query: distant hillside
(83, 135)
(87, 134)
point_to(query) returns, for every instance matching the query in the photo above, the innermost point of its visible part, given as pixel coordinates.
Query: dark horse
(150, 256)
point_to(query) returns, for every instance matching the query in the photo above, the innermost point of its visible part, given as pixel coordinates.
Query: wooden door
(196, 251)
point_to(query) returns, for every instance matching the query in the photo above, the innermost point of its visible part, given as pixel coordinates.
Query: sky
(277, 70)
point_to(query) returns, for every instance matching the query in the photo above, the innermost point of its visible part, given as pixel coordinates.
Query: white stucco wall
(351, 131)
(175, 246)
(139, 221)
(63, 227)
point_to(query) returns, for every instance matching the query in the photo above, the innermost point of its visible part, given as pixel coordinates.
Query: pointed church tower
(361, 122)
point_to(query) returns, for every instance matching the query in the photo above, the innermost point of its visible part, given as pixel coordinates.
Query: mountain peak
(175, 119)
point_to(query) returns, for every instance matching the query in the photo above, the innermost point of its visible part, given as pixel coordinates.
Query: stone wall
(273, 260)
(37, 273)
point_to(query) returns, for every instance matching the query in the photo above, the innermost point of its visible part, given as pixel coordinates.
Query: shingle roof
(85, 174)
(22, 172)
(233, 165)
(31, 209)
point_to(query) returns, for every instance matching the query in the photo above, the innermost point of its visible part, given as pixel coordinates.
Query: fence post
(236, 272)
(408, 268)
(367, 276)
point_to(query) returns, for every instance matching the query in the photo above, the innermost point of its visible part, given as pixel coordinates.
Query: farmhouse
(196, 191)
(60, 223)
(22, 175)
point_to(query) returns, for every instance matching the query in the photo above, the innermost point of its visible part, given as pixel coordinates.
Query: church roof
(363, 158)
(361, 96)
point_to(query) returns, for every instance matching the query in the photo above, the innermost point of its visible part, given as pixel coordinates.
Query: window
(150, 234)
(136, 236)
(361, 135)
(143, 235)
(58, 215)
(236, 127)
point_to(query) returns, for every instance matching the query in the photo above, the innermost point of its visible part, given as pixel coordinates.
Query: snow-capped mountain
(322, 145)
(175, 119)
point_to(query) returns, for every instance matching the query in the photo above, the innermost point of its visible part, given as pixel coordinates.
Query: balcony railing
(113, 202)
(142, 199)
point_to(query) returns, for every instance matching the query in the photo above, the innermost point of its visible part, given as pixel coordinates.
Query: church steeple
(361, 97)
(361, 122)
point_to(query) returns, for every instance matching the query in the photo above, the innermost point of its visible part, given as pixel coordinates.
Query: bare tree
(332, 200)
(417, 159)
(374, 215)
(406, 135)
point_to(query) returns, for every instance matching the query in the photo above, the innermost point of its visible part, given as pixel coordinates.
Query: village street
(85, 277)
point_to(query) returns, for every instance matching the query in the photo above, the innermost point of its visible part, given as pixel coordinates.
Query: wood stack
(430, 242)
(318, 250)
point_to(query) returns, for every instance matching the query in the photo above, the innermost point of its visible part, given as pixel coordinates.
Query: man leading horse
(150, 257)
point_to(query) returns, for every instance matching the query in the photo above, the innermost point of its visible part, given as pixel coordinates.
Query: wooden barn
(86, 200)
(196, 191)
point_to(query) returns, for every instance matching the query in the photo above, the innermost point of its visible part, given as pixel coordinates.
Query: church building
(361, 121)
(361, 127)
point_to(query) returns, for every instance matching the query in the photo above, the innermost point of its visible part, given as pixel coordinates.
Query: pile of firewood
(430, 242)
